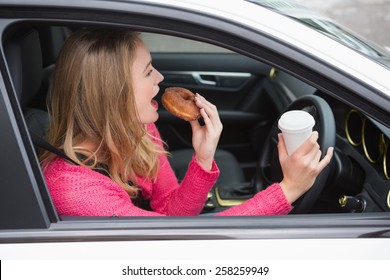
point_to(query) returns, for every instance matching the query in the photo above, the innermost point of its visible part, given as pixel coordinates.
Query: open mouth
(154, 103)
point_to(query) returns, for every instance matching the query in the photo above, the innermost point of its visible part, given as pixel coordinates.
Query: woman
(102, 116)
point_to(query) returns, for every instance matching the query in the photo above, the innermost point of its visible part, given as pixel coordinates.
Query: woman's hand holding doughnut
(184, 104)
(205, 138)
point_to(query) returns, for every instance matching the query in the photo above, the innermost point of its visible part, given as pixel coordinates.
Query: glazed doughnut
(181, 103)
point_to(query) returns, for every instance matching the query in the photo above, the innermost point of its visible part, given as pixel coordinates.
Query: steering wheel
(268, 167)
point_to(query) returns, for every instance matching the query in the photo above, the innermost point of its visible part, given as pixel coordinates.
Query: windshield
(325, 25)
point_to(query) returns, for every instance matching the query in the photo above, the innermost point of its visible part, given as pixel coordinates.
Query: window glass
(165, 43)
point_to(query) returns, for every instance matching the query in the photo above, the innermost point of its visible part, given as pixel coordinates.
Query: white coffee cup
(296, 127)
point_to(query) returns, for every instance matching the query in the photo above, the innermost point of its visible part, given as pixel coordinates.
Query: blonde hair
(92, 98)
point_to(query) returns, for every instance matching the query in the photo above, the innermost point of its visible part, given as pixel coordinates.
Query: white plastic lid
(296, 121)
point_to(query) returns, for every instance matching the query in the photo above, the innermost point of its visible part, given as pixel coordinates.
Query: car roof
(258, 18)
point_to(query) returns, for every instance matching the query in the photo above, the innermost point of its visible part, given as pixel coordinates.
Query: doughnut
(180, 102)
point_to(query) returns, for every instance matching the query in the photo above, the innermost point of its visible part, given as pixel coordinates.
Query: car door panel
(234, 83)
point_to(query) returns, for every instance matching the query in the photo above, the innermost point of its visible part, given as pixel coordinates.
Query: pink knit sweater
(80, 191)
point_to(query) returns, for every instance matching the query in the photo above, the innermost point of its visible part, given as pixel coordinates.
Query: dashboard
(359, 180)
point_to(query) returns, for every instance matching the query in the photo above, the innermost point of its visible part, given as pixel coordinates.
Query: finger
(211, 111)
(326, 160)
(204, 103)
(316, 159)
(315, 154)
(281, 148)
(213, 125)
(201, 97)
(195, 125)
(208, 124)
(200, 100)
(309, 145)
(206, 119)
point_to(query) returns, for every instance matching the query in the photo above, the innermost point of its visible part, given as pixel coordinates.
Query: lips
(154, 103)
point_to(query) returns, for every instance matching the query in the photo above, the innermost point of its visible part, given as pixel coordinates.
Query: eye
(149, 72)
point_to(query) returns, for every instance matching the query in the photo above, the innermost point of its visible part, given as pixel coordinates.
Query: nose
(159, 77)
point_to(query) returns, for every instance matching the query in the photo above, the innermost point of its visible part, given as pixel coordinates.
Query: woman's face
(145, 84)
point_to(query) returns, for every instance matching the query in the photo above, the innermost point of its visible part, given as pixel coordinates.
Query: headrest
(24, 58)
(54, 36)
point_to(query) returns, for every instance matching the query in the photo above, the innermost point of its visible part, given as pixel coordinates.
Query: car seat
(24, 57)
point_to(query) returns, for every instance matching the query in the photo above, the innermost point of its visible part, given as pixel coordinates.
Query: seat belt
(42, 143)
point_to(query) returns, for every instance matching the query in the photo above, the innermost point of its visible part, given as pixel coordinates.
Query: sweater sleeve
(187, 198)
(184, 199)
(270, 201)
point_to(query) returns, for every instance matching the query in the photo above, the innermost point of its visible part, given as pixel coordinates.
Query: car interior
(250, 96)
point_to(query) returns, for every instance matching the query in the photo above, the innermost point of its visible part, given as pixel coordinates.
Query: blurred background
(370, 18)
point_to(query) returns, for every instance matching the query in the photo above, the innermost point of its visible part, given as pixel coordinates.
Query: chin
(150, 119)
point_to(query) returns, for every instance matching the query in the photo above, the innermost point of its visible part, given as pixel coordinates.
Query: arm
(299, 173)
(187, 198)
(190, 196)
(270, 201)
(79, 191)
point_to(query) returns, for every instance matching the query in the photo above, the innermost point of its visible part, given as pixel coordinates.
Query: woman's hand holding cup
(302, 163)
